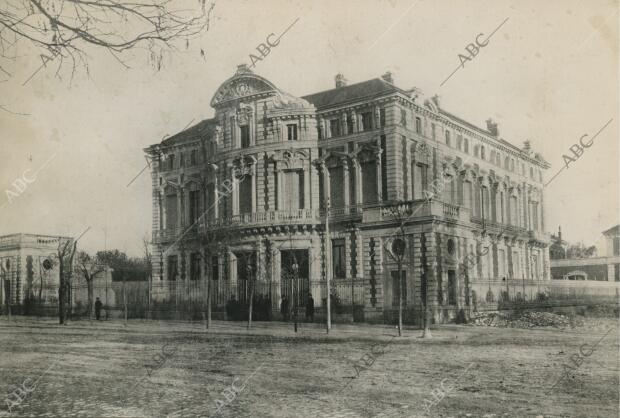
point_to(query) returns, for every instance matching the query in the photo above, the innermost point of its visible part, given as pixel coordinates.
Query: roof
(614, 230)
(354, 92)
(195, 132)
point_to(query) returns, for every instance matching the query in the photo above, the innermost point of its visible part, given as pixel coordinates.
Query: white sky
(550, 74)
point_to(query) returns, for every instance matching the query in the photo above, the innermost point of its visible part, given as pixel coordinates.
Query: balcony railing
(344, 212)
(293, 216)
(415, 209)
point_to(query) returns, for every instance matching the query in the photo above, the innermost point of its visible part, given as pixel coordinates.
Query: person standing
(310, 308)
(284, 308)
(98, 306)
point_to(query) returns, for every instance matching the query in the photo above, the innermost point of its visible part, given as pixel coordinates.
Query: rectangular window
(334, 126)
(382, 117)
(459, 142)
(366, 121)
(171, 211)
(349, 124)
(433, 131)
(215, 268)
(292, 132)
(173, 267)
(181, 160)
(338, 257)
(171, 162)
(418, 125)
(451, 287)
(192, 157)
(293, 189)
(194, 206)
(245, 136)
(245, 195)
(421, 181)
(403, 117)
(194, 266)
(448, 138)
(616, 246)
(397, 287)
(466, 145)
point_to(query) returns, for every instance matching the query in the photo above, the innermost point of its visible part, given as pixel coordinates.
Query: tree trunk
(208, 303)
(400, 299)
(89, 285)
(61, 293)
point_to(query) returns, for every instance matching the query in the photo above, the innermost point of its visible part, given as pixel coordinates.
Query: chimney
(527, 147)
(492, 127)
(340, 80)
(388, 77)
(243, 69)
(560, 234)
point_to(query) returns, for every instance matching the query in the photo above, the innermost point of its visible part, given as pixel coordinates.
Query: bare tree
(64, 30)
(89, 267)
(396, 248)
(65, 254)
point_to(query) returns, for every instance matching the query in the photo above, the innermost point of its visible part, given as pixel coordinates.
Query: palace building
(276, 192)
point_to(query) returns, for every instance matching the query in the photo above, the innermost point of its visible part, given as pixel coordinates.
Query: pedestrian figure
(310, 308)
(284, 308)
(98, 306)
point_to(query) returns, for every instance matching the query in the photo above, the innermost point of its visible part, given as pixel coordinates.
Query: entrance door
(294, 277)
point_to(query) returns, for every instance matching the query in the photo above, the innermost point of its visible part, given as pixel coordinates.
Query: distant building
(29, 268)
(557, 249)
(263, 176)
(605, 268)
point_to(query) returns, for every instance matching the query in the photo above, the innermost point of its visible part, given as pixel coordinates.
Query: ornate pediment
(289, 159)
(243, 84)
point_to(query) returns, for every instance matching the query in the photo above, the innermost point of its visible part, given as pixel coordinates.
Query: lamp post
(295, 268)
(249, 272)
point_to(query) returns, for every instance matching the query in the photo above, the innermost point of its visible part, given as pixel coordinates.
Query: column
(254, 208)
(216, 200)
(542, 212)
(326, 185)
(358, 181)
(307, 195)
(279, 189)
(235, 191)
(179, 209)
(345, 177)
(328, 129)
(378, 164)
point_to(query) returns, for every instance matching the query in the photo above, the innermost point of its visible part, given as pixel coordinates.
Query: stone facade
(29, 268)
(261, 179)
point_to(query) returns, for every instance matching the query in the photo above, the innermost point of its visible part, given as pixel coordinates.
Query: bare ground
(105, 369)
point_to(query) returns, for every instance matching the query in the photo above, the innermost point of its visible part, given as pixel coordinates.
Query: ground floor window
(173, 267)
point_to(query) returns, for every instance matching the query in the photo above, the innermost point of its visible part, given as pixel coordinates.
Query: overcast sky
(549, 74)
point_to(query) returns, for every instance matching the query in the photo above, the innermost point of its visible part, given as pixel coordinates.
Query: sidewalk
(313, 331)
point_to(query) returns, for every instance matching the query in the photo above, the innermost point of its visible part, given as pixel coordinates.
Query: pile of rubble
(523, 320)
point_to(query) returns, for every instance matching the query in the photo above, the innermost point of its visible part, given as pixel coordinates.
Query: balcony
(415, 209)
(277, 217)
(344, 212)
